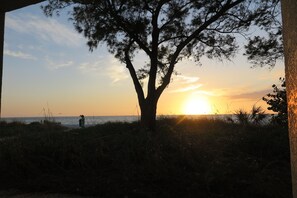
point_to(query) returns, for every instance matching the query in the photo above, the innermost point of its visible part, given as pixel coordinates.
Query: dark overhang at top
(9, 5)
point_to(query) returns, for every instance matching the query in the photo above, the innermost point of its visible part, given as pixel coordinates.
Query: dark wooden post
(2, 23)
(289, 14)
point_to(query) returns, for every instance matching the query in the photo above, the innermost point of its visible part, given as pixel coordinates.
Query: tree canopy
(168, 31)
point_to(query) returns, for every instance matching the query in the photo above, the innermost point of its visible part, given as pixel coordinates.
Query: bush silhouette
(277, 101)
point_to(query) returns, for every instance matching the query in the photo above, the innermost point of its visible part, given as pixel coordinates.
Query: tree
(289, 16)
(167, 31)
(278, 103)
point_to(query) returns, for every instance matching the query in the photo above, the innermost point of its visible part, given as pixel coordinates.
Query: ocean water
(73, 121)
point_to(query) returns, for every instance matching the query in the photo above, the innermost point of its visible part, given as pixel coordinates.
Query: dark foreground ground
(184, 158)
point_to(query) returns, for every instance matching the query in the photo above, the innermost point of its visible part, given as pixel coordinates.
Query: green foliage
(186, 158)
(277, 101)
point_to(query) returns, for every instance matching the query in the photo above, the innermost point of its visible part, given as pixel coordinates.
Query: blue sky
(47, 64)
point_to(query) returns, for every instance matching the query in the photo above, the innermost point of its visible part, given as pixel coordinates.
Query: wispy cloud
(188, 88)
(186, 79)
(91, 67)
(208, 93)
(250, 95)
(58, 65)
(107, 66)
(185, 84)
(117, 73)
(45, 28)
(19, 54)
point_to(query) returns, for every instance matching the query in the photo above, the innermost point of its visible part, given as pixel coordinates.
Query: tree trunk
(289, 15)
(148, 114)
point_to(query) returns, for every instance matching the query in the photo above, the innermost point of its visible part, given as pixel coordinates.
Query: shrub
(255, 117)
(277, 101)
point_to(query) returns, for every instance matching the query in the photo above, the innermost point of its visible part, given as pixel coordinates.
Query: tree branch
(133, 75)
(196, 33)
(172, 38)
(125, 26)
(154, 57)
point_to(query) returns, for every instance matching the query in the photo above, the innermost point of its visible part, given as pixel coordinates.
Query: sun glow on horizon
(197, 106)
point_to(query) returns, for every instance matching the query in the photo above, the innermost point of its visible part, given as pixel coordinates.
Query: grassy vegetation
(185, 158)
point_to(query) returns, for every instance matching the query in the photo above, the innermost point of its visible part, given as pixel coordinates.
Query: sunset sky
(47, 64)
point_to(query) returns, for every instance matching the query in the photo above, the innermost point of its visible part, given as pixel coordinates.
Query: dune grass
(184, 158)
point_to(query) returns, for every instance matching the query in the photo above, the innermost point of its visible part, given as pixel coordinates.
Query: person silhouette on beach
(82, 121)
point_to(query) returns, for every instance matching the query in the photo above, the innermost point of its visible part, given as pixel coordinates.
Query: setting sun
(196, 106)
